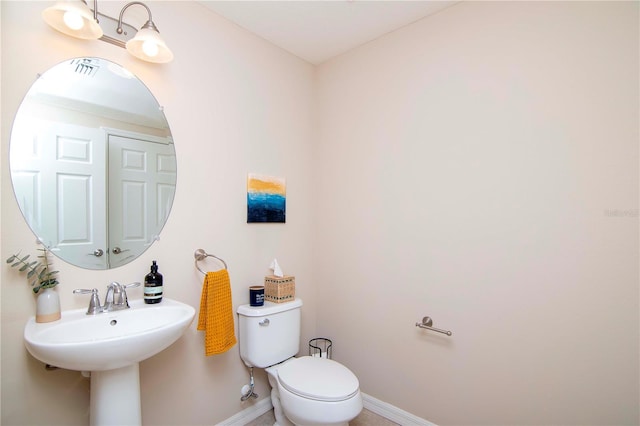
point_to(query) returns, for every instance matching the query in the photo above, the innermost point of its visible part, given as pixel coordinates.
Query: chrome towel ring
(201, 254)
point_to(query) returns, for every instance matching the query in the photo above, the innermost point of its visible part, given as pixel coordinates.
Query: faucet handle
(94, 303)
(120, 296)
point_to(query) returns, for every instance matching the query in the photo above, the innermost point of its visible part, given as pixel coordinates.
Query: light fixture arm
(149, 23)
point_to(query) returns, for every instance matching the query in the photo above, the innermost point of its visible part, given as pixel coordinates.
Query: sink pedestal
(115, 397)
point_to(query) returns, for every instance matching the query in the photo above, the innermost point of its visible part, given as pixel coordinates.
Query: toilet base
(278, 412)
(307, 412)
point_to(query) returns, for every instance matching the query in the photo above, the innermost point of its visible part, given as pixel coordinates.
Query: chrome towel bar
(427, 323)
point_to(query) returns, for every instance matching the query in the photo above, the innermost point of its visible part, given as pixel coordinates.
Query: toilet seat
(316, 378)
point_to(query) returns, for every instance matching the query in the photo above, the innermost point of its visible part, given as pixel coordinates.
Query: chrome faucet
(115, 300)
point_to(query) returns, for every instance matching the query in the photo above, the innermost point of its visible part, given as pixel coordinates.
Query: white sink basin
(111, 340)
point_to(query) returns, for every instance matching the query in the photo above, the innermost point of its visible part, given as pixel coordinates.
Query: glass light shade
(73, 18)
(149, 46)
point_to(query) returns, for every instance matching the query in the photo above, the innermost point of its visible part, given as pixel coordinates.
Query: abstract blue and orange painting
(266, 199)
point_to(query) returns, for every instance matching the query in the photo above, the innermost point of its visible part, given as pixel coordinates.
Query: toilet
(307, 390)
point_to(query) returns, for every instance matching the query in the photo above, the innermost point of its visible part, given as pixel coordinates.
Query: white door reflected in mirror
(142, 176)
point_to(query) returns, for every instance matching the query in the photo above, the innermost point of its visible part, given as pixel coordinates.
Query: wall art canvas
(266, 199)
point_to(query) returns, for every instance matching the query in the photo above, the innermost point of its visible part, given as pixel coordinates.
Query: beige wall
(479, 166)
(236, 104)
(484, 171)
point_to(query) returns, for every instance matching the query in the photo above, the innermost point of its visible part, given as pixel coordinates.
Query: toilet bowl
(314, 391)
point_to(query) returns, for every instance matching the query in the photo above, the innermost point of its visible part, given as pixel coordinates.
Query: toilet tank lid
(269, 308)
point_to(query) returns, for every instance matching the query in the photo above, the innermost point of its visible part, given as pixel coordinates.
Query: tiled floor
(366, 418)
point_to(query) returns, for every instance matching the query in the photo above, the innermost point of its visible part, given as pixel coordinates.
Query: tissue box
(279, 289)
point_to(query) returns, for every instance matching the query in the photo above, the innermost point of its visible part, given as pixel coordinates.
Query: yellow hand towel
(216, 313)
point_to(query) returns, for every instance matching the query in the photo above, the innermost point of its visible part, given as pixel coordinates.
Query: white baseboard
(392, 412)
(372, 404)
(250, 413)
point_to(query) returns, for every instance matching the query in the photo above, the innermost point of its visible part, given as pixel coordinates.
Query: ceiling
(317, 30)
(101, 88)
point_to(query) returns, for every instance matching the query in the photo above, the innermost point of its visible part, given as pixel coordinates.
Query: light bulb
(150, 48)
(73, 20)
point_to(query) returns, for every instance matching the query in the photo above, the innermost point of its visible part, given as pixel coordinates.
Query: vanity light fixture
(75, 18)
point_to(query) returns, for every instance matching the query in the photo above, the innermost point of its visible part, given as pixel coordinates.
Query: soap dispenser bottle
(153, 285)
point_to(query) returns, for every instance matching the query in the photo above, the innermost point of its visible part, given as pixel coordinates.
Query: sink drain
(113, 322)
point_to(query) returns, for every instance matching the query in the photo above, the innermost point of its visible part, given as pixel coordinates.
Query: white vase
(47, 306)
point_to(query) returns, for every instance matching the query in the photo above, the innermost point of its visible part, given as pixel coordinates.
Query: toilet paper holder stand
(427, 323)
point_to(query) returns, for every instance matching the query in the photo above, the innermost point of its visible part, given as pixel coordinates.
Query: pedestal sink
(110, 346)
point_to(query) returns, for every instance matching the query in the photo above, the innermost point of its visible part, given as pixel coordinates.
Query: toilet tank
(269, 334)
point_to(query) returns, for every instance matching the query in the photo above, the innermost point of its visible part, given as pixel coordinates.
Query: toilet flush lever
(264, 322)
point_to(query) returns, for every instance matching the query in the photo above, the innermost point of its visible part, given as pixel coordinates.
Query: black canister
(153, 285)
(256, 295)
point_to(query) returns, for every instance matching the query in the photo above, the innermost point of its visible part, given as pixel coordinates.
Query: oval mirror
(93, 163)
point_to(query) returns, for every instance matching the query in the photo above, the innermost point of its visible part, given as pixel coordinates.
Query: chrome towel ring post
(201, 255)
